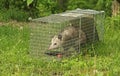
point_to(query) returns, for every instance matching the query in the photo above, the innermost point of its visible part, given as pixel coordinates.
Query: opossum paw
(59, 55)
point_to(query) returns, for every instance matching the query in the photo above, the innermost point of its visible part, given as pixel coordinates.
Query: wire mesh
(65, 33)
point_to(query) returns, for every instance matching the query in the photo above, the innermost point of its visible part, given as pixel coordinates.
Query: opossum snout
(49, 48)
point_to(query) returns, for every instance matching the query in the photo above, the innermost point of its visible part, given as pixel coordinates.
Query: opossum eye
(55, 43)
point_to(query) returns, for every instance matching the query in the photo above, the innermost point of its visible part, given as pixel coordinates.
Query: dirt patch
(13, 23)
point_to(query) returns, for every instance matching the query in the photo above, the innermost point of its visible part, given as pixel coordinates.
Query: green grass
(103, 59)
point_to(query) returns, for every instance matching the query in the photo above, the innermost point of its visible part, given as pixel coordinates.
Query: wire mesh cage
(64, 34)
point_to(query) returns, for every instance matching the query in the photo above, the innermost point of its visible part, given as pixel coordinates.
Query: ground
(103, 59)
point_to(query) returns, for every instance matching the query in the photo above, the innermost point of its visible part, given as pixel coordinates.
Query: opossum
(70, 37)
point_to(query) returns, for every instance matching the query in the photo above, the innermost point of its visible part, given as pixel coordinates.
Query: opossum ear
(60, 37)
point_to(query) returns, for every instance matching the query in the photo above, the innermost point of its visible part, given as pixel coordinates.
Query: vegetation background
(20, 10)
(103, 59)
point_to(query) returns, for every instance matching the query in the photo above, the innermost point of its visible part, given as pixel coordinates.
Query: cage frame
(81, 11)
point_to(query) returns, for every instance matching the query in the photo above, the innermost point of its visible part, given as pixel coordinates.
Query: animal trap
(67, 32)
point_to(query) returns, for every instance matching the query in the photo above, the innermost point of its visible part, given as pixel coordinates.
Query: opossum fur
(69, 37)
